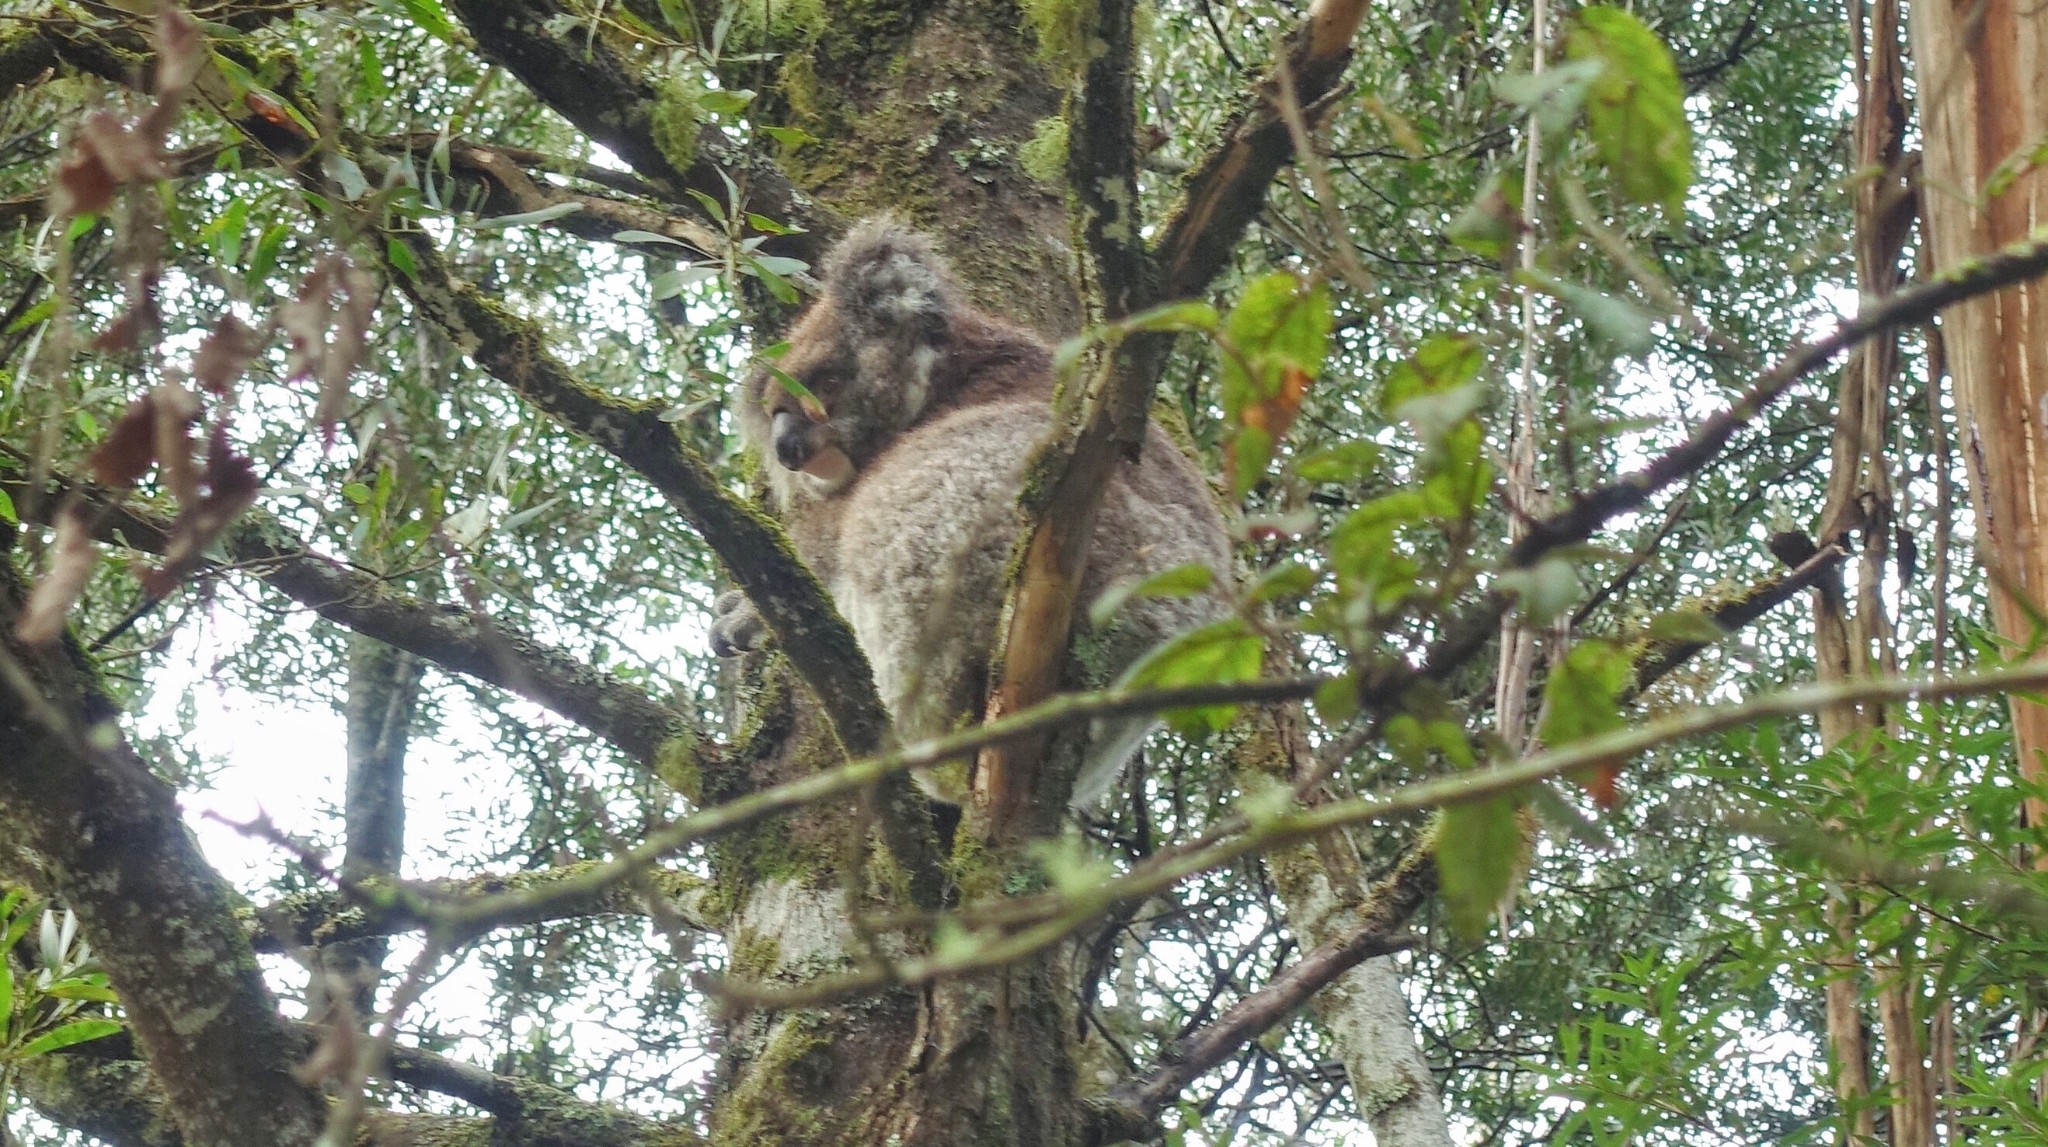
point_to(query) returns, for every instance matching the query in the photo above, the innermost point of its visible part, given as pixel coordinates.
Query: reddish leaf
(130, 447)
(72, 559)
(176, 410)
(227, 349)
(231, 486)
(1599, 783)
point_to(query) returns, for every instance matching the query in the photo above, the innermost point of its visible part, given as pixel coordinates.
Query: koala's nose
(792, 440)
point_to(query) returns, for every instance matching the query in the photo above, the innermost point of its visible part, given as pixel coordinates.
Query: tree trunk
(1982, 103)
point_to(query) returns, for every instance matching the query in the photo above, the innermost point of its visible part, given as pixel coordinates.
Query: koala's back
(926, 532)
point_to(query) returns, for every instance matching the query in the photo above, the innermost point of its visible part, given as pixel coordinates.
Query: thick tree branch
(99, 1089)
(452, 639)
(1732, 615)
(817, 641)
(1071, 473)
(587, 83)
(112, 845)
(330, 917)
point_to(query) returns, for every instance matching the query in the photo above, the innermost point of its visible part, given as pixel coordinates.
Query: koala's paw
(735, 627)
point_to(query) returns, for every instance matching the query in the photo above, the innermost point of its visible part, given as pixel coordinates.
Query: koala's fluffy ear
(889, 284)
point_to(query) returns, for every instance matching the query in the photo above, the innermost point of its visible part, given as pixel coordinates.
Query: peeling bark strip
(1982, 103)
(160, 919)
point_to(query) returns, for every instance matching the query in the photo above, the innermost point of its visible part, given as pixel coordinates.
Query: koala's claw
(735, 626)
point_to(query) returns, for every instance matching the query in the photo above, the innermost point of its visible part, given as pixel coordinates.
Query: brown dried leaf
(224, 354)
(72, 560)
(176, 410)
(130, 447)
(231, 487)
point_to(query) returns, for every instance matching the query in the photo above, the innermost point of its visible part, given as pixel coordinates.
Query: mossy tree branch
(588, 84)
(111, 844)
(451, 639)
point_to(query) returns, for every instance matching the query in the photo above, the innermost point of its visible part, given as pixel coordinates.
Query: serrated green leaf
(1478, 848)
(1221, 652)
(1582, 697)
(1635, 109)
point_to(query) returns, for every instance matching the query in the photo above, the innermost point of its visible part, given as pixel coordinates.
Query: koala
(900, 492)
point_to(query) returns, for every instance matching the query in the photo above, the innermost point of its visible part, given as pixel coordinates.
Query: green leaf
(6, 994)
(75, 1032)
(1544, 590)
(1191, 315)
(1288, 579)
(1281, 320)
(1221, 652)
(1582, 698)
(78, 989)
(789, 136)
(546, 214)
(1180, 581)
(1636, 108)
(726, 102)
(7, 511)
(1686, 625)
(430, 15)
(631, 236)
(779, 264)
(1344, 462)
(1444, 363)
(1479, 845)
(1615, 319)
(356, 492)
(263, 260)
(400, 257)
(1336, 700)
(1492, 222)
(1554, 94)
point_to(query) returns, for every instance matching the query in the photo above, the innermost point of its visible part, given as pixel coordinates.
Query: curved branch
(452, 639)
(109, 838)
(587, 83)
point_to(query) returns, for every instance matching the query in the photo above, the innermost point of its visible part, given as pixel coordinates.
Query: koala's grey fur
(937, 406)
